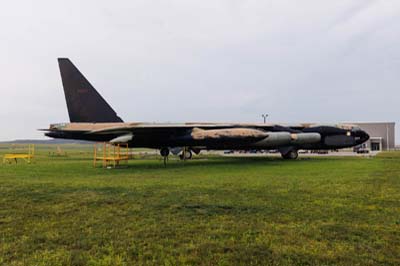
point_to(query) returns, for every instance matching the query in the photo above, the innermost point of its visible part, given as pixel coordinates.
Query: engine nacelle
(122, 139)
(305, 138)
(279, 139)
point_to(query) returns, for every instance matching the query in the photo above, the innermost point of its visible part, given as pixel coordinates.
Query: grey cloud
(202, 60)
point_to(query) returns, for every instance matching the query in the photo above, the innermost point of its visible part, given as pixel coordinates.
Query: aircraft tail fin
(84, 103)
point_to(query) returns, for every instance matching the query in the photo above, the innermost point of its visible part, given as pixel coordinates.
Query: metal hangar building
(382, 135)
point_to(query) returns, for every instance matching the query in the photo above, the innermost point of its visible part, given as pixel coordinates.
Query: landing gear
(186, 155)
(290, 155)
(164, 152)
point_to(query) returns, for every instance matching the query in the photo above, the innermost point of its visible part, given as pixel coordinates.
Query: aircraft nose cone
(365, 136)
(361, 136)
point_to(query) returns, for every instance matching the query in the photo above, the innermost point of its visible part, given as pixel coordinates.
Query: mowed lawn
(208, 211)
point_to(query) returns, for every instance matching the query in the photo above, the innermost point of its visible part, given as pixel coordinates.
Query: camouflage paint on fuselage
(209, 135)
(93, 119)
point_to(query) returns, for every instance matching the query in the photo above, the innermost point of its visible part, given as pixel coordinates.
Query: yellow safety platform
(26, 153)
(110, 155)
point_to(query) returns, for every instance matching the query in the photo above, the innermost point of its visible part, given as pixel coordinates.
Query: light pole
(265, 117)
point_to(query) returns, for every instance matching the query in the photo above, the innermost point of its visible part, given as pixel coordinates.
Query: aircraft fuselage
(93, 119)
(215, 136)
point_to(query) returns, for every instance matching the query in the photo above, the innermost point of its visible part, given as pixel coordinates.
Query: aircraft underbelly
(271, 141)
(339, 141)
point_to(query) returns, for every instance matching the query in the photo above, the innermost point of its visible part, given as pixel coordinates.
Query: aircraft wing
(142, 128)
(199, 132)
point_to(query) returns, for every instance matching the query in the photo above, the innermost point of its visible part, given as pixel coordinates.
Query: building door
(375, 146)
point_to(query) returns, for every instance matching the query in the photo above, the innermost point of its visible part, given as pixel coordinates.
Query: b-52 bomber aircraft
(93, 119)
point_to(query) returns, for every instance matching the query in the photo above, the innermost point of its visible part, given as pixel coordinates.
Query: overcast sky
(208, 60)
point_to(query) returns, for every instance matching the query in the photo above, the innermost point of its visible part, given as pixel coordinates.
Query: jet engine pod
(305, 138)
(279, 139)
(275, 139)
(122, 139)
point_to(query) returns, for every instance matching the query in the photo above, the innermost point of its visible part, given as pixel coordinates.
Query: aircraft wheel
(291, 155)
(164, 152)
(188, 155)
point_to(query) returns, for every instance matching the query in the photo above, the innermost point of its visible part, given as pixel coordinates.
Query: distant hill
(45, 141)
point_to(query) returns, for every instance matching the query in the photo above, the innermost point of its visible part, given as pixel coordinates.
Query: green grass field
(208, 211)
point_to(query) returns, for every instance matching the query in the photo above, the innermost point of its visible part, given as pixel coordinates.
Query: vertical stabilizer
(84, 103)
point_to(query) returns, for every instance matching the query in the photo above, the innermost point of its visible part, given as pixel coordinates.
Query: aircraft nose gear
(164, 152)
(291, 155)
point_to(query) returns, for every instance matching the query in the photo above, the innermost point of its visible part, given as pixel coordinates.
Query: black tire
(291, 155)
(188, 155)
(164, 152)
